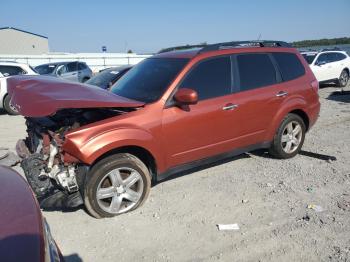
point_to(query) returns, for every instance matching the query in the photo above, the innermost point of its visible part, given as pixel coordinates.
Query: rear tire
(8, 107)
(289, 137)
(115, 185)
(343, 79)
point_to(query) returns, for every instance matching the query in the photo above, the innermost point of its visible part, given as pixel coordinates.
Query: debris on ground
(8, 158)
(222, 227)
(316, 208)
(309, 189)
(344, 203)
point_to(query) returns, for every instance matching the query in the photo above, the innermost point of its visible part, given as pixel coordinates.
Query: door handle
(229, 107)
(74, 74)
(281, 94)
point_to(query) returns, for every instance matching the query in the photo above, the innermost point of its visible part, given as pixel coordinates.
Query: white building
(16, 41)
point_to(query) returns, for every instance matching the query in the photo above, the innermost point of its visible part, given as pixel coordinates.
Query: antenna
(259, 37)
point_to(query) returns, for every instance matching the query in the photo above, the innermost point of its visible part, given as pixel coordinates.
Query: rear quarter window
(289, 66)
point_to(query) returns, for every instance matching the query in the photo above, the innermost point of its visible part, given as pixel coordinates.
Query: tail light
(315, 85)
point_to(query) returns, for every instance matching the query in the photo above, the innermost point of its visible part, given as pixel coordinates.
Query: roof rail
(240, 44)
(180, 48)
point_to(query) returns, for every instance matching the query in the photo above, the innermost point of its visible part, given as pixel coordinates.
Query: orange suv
(171, 112)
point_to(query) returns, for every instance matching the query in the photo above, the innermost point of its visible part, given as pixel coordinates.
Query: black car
(107, 77)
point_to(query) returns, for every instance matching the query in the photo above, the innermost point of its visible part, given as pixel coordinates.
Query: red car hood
(38, 96)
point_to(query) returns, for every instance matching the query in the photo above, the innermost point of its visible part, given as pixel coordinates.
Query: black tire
(98, 175)
(278, 148)
(343, 79)
(10, 110)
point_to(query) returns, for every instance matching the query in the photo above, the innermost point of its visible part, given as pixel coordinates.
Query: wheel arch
(140, 152)
(301, 113)
(296, 106)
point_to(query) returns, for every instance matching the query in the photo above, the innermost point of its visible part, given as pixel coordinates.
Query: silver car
(73, 71)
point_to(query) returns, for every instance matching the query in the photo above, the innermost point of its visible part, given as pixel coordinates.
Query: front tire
(289, 137)
(11, 110)
(343, 78)
(117, 184)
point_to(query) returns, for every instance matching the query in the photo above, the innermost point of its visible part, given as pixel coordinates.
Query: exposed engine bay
(56, 177)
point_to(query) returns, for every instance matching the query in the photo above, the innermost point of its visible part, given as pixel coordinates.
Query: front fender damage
(56, 177)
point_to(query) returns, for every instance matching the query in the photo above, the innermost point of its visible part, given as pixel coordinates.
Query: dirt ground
(266, 197)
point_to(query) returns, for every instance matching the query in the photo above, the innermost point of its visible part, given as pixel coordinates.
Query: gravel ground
(268, 198)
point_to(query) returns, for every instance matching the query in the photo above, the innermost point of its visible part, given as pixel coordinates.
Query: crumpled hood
(38, 96)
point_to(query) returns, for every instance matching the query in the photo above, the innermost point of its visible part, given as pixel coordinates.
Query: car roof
(12, 63)
(197, 51)
(58, 63)
(225, 48)
(323, 51)
(117, 68)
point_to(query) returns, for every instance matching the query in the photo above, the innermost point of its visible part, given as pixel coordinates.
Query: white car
(7, 69)
(329, 65)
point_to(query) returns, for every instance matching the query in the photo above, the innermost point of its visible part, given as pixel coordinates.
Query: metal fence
(96, 61)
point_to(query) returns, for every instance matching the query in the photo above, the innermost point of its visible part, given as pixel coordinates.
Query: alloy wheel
(291, 137)
(120, 190)
(344, 78)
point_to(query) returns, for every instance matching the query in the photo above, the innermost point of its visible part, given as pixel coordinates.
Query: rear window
(289, 65)
(309, 57)
(255, 70)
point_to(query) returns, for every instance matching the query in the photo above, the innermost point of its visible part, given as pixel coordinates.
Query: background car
(7, 69)
(106, 78)
(24, 233)
(329, 65)
(73, 71)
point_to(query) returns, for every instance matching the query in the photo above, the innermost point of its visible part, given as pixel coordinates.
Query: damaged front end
(56, 177)
(53, 108)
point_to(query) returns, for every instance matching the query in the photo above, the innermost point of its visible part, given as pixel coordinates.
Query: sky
(150, 25)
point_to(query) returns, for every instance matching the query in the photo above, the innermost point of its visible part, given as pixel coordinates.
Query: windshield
(45, 69)
(309, 58)
(147, 81)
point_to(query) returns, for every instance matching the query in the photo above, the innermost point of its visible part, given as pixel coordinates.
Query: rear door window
(11, 70)
(289, 66)
(71, 67)
(332, 57)
(210, 78)
(255, 70)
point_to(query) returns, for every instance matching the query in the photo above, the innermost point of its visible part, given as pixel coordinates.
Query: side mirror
(186, 96)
